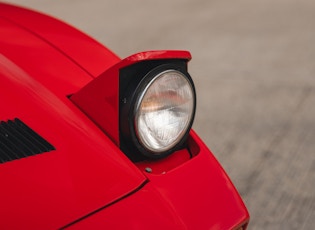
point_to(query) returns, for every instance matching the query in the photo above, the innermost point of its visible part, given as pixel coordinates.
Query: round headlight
(164, 111)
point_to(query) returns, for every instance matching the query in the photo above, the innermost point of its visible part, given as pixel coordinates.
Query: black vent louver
(17, 140)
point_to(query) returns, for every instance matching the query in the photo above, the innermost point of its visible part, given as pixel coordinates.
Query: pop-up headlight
(160, 112)
(145, 103)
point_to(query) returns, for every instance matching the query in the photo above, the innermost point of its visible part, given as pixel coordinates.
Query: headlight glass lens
(164, 111)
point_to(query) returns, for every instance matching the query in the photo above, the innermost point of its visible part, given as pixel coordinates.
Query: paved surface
(254, 68)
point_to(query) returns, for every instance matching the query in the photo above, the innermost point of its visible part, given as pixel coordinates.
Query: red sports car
(92, 141)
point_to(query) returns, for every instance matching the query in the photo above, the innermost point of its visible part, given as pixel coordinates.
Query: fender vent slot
(17, 141)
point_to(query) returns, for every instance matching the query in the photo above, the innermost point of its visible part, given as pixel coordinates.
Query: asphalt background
(254, 68)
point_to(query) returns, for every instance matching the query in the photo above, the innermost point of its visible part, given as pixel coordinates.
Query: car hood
(84, 171)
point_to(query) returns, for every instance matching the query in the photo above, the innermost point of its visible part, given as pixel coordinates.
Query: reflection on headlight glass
(165, 111)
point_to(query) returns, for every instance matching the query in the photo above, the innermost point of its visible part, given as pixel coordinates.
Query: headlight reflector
(164, 111)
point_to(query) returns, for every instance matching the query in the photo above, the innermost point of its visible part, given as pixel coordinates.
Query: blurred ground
(254, 68)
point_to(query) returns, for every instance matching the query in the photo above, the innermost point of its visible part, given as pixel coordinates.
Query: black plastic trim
(17, 141)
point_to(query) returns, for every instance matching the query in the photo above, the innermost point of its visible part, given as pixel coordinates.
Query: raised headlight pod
(144, 103)
(161, 110)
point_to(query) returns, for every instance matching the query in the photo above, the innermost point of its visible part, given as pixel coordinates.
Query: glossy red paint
(60, 186)
(100, 98)
(85, 172)
(40, 60)
(90, 55)
(194, 195)
(87, 182)
(164, 165)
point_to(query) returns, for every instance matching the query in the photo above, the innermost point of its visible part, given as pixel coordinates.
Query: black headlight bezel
(132, 81)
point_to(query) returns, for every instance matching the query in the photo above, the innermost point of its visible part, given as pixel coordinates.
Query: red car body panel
(87, 182)
(62, 185)
(81, 49)
(194, 195)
